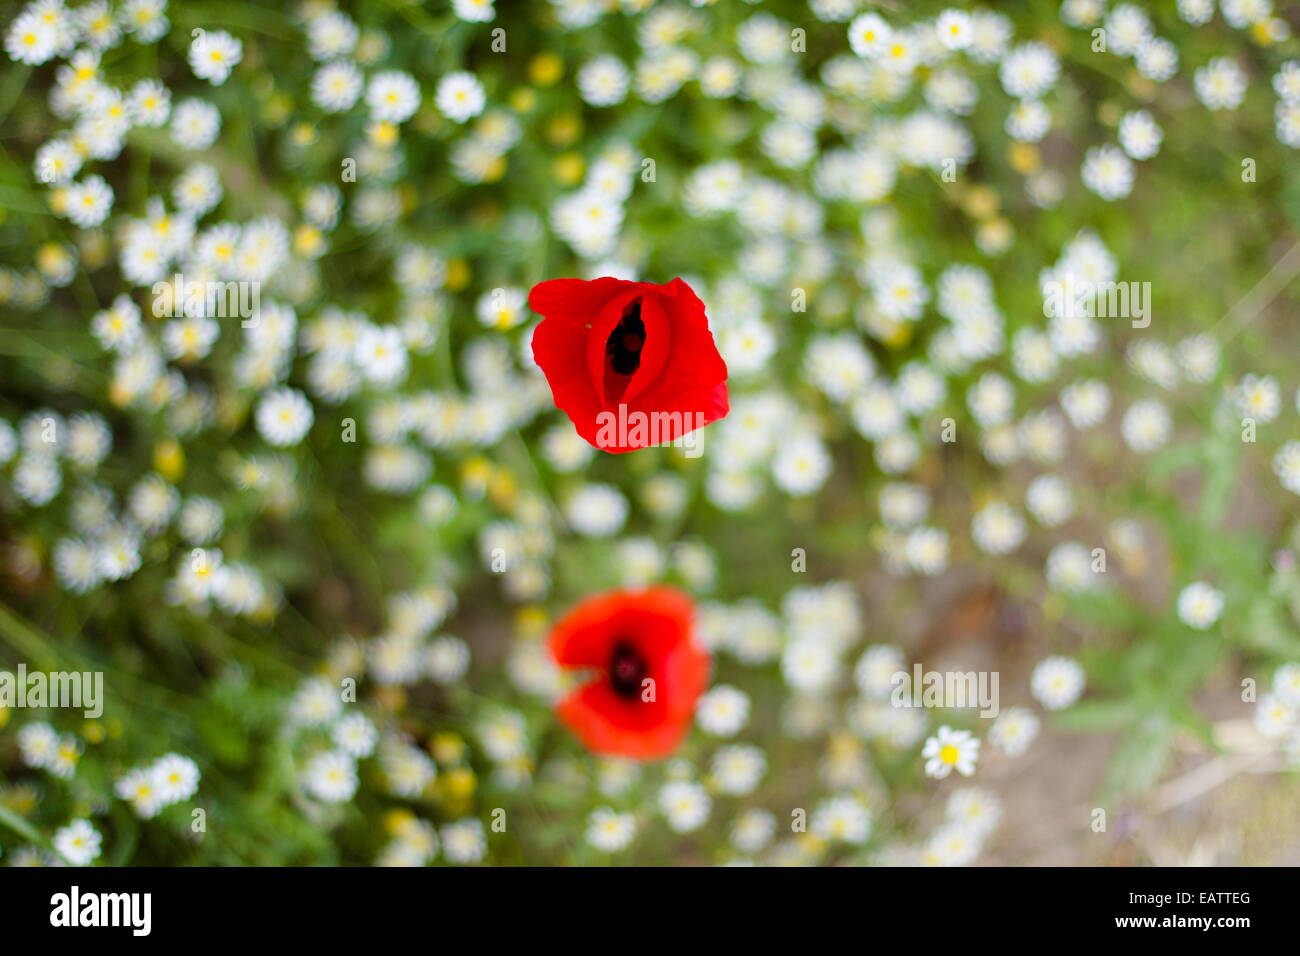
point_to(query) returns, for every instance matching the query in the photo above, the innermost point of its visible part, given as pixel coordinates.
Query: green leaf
(1097, 715)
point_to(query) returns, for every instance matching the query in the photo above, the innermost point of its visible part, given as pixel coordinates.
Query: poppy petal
(642, 722)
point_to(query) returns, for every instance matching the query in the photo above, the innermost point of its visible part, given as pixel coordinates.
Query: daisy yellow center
(948, 754)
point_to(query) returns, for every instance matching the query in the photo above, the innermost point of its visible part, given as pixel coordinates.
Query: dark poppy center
(624, 344)
(627, 668)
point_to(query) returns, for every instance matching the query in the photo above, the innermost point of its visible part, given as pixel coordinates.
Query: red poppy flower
(650, 671)
(632, 364)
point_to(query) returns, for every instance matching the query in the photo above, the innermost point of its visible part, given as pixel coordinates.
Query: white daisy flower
(844, 818)
(195, 124)
(460, 96)
(1014, 730)
(722, 711)
(1139, 135)
(284, 416)
(869, 35)
(175, 778)
(78, 842)
(1146, 425)
(604, 81)
(355, 736)
(1220, 84)
(953, 28)
(596, 510)
(464, 841)
(685, 804)
(1108, 172)
(737, 770)
(950, 750)
(997, 528)
(213, 54)
(474, 11)
(331, 776)
(1274, 716)
(1056, 682)
(610, 831)
(137, 787)
(1199, 605)
(31, 39)
(393, 96)
(336, 86)
(1029, 71)
(977, 810)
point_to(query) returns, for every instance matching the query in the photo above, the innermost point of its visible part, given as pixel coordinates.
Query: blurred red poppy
(649, 671)
(632, 364)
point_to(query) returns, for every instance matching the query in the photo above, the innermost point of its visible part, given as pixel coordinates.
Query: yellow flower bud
(1024, 157)
(523, 100)
(569, 168)
(458, 275)
(169, 459)
(545, 69)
